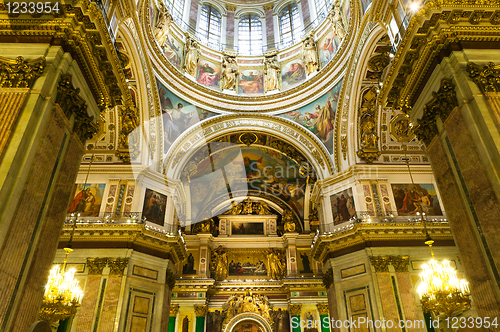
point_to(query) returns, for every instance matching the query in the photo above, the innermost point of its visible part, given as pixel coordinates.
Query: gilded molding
(323, 309)
(295, 309)
(117, 265)
(487, 78)
(19, 73)
(400, 263)
(328, 278)
(96, 265)
(441, 105)
(380, 263)
(170, 280)
(200, 310)
(343, 146)
(174, 309)
(268, 6)
(230, 7)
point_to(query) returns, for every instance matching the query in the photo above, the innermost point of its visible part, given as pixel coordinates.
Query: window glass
(209, 26)
(250, 35)
(289, 23)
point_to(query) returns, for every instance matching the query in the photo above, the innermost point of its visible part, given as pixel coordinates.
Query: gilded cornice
(431, 30)
(135, 234)
(366, 232)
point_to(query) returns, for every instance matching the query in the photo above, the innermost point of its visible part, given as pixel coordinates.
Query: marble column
(201, 312)
(231, 26)
(110, 311)
(95, 268)
(400, 264)
(168, 312)
(269, 28)
(323, 315)
(329, 283)
(295, 312)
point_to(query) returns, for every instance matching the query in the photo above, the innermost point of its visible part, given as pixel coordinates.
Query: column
(329, 283)
(193, 14)
(400, 264)
(110, 313)
(90, 299)
(166, 311)
(174, 310)
(231, 27)
(305, 13)
(269, 27)
(291, 253)
(323, 315)
(295, 311)
(201, 312)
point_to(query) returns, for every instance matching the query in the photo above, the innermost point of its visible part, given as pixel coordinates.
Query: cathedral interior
(250, 166)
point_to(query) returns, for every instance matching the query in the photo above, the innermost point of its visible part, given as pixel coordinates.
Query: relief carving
(310, 54)
(368, 127)
(191, 56)
(19, 73)
(229, 73)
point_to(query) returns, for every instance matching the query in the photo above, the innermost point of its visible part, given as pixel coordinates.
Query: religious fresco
(292, 74)
(191, 265)
(154, 207)
(177, 115)
(256, 169)
(343, 208)
(365, 4)
(247, 228)
(328, 45)
(319, 116)
(87, 201)
(251, 81)
(208, 74)
(247, 264)
(408, 198)
(173, 51)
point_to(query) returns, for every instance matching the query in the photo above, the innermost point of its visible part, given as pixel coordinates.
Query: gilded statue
(162, 25)
(247, 302)
(219, 263)
(263, 208)
(289, 221)
(336, 19)
(236, 209)
(230, 73)
(309, 54)
(273, 72)
(369, 136)
(192, 56)
(247, 207)
(276, 264)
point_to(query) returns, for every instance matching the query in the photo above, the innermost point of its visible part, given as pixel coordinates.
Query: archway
(248, 321)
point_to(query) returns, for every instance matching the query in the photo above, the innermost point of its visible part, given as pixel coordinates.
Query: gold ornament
(380, 263)
(19, 73)
(96, 265)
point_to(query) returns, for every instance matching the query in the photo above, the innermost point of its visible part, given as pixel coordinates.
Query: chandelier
(62, 294)
(441, 291)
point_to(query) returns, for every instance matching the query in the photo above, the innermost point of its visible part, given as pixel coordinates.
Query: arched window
(289, 22)
(209, 27)
(250, 35)
(322, 7)
(176, 7)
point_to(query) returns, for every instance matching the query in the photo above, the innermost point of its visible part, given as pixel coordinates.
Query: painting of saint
(251, 82)
(247, 228)
(343, 208)
(328, 46)
(208, 74)
(173, 51)
(87, 201)
(319, 116)
(244, 264)
(177, 116)
(155, 205)
(409, 198)
(189, 267)
(292, 74)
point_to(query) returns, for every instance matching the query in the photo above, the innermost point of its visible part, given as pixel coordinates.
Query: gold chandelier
(62, 293)
(441, 291)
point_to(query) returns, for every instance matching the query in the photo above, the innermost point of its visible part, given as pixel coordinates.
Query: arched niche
(250, 318)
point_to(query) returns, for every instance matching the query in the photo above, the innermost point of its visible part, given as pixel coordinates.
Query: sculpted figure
(219, 263)
(263, 208)
(162, 25)
(230, 73)
(289, 222)
(309, 54)
(276, 263)
(336, 19)
(192, 56)
(272, 71)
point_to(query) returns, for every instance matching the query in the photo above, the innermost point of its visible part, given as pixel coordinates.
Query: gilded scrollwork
(247, 302)
(117, 265)
(289, 221)
(95, 266)
(400, 263)
(19, 73)
(328, 278)
(323, 308)
(295, 309)
(310, 54)
(200, 310)
(170, 281)
(380, 263)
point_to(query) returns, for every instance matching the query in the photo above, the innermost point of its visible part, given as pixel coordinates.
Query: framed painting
(155, 205)
(87, 201)
(343, 208)
(247, 228)
(408, 198)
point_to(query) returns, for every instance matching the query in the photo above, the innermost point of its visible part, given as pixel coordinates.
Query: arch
(297, 136)
(244, 11)
(250, 317)
(216, 5)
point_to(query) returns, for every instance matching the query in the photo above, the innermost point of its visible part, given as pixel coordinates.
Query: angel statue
(230, 73)
(272, 71)
(263, 208)
(309, 54)
(336, 19)
(289, 221)
(276, 264)
(162, 25)
(192, 56)
(219, 263)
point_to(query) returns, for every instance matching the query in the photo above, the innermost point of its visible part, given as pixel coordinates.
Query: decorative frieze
(19, 73)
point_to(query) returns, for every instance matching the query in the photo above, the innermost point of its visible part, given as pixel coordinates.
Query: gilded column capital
(170, 279)
(230, 7)
(328, 278)
(380, 263)
(174, 309)
(487, 78)
(400, 263)
(200, 310)
(268, 6)
(117, 265)
(96, 265)
(19, 73)
(323, 308)
(295, 309)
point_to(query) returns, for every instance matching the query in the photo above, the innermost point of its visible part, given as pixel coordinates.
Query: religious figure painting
(292, 74)
(155, 205)
(191, 265)
(343, 208)
(251, 81)
(173, 51)
(319, 116)
(247, 228)
(304, 262)
(247, 264)
(408, 198)
(208, 74)
(177, 115)
(87, 201)
(327, 47)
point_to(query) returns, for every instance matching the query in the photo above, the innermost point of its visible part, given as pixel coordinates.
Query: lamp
(440, 291)
(63, 294)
